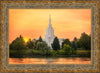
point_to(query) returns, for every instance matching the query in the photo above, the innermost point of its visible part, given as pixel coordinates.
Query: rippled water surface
(49, 60)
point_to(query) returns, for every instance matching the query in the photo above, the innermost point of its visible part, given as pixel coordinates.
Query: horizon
(27, 39)
(26, 22)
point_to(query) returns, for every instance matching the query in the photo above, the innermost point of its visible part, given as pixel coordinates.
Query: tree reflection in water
(49, 60)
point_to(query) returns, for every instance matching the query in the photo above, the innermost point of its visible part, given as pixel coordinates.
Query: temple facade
(49, 37)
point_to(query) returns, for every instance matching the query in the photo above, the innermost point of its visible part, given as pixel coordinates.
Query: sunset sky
(32, 23)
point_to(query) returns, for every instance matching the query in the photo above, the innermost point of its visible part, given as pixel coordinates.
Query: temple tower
(49, 37)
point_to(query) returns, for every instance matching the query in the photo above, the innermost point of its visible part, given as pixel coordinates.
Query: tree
(89, 42)
(36, 41)
(18, 44)
(78, 45)
(30, 44)
(40, 39)
(18, 47)
(67, 42)
(43, 48)
(85, 41)
(55, 45)
(67, 49)
(73, 44)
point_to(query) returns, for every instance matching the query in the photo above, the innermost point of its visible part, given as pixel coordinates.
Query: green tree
(30, 44)
(89, 42)
(67, 49)
(43, 48)
(18, 44)
(78, 45)
(74, 44)
(85, 41)
(66, 41)
(18, 47)
(55, 45)
(40, 39)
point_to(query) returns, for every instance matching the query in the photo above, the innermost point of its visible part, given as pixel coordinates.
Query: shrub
(54, 53)
(67, 49)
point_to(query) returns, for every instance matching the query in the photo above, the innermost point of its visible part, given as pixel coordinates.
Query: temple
(49, 37)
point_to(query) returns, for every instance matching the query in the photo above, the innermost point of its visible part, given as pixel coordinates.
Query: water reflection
(49, 60)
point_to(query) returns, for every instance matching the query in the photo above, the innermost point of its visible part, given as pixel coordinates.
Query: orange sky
(32, 23)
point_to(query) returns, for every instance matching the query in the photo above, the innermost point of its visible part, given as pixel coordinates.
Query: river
(49, 61)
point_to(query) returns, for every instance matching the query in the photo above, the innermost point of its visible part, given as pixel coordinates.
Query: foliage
(30, 44)
(61, 52)
(85, 41)
(78, 44)
(55, 44)
(83, 53)
(18, 44)
(18, 53)
(40, 39)
(67, 49)
(38, 48)
(54, 53)
(67, 42)
(43, 48)
(74, 51)
(18, 47)
(74, 43)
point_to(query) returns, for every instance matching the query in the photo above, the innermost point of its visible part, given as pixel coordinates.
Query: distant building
(49, 37)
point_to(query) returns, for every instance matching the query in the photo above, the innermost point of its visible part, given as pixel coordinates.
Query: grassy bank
(51, 54)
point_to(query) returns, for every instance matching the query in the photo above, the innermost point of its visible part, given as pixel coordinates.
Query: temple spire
(50, 20)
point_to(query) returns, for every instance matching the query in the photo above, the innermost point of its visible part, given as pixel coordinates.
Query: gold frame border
(48, 3)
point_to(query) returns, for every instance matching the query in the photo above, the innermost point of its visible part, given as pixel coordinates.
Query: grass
(83, 51)
(34, 54)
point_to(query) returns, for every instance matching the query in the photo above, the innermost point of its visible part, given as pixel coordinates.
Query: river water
(49, 61)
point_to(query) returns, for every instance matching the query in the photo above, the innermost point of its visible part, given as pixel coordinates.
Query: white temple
(49, 37)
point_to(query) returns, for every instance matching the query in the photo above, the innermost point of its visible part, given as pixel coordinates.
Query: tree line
(38, 48)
